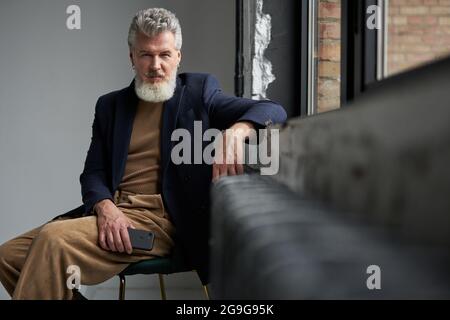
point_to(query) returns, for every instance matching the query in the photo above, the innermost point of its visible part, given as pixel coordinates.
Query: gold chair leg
(162, 287)
(122, 288)
(205, 288)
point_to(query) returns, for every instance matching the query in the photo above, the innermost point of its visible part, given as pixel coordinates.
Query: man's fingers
(110, 241)
(118, 240)
(126, 240)
(231, 158)
(219, 170)
(215, 172)
(240, 159)
(223, 170)
(231, 170)
(101, 240)
(239, 168)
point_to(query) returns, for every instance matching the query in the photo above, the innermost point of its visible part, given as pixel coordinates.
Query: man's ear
(131, 58)
(179, 56)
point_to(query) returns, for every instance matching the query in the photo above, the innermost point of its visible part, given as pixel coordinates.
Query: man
(129, 180)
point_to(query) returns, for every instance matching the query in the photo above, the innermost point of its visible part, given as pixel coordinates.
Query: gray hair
(153, 21)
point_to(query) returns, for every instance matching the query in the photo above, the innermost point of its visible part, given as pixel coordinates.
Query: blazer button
(187, 178)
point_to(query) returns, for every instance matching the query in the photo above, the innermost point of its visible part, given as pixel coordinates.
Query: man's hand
(229, 162)
(112, 227)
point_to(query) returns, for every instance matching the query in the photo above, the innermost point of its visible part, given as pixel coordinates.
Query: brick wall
(419, 31)
(329, 55)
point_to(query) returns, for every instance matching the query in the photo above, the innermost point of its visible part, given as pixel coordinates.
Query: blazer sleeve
(224, 110)
(93, 179)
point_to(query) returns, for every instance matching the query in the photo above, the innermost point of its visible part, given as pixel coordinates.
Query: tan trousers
(34, 265)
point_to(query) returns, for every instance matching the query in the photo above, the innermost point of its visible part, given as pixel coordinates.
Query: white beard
(158, 92)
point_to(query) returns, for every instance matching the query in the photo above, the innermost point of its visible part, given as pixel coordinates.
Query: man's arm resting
(224, 110)
(93, 180)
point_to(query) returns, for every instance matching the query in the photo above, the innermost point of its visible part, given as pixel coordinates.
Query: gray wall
(50, 78)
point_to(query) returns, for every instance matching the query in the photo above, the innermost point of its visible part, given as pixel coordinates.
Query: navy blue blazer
(184, 187)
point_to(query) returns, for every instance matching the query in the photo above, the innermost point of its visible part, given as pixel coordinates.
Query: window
(324, 55)
(418, 32)
(328, 77)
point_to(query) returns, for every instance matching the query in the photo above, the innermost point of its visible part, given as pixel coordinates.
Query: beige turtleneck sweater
(142, 172)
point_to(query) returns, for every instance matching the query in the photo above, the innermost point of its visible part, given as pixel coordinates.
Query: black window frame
(358, 51)
(359, 47)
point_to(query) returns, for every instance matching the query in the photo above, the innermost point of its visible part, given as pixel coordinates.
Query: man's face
(155, 58)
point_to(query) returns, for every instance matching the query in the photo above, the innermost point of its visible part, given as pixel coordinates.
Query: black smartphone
(141, 239)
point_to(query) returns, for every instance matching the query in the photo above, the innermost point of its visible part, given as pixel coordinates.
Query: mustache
(154, 74)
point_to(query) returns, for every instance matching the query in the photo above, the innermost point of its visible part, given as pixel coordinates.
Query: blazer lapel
(171, 110)
(123, 126)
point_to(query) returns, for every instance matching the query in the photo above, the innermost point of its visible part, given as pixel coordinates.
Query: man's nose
(155, 64)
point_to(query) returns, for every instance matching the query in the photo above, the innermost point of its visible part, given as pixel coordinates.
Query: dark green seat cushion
(155, 265)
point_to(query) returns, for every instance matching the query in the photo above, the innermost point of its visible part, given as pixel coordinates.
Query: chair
(161, 266)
